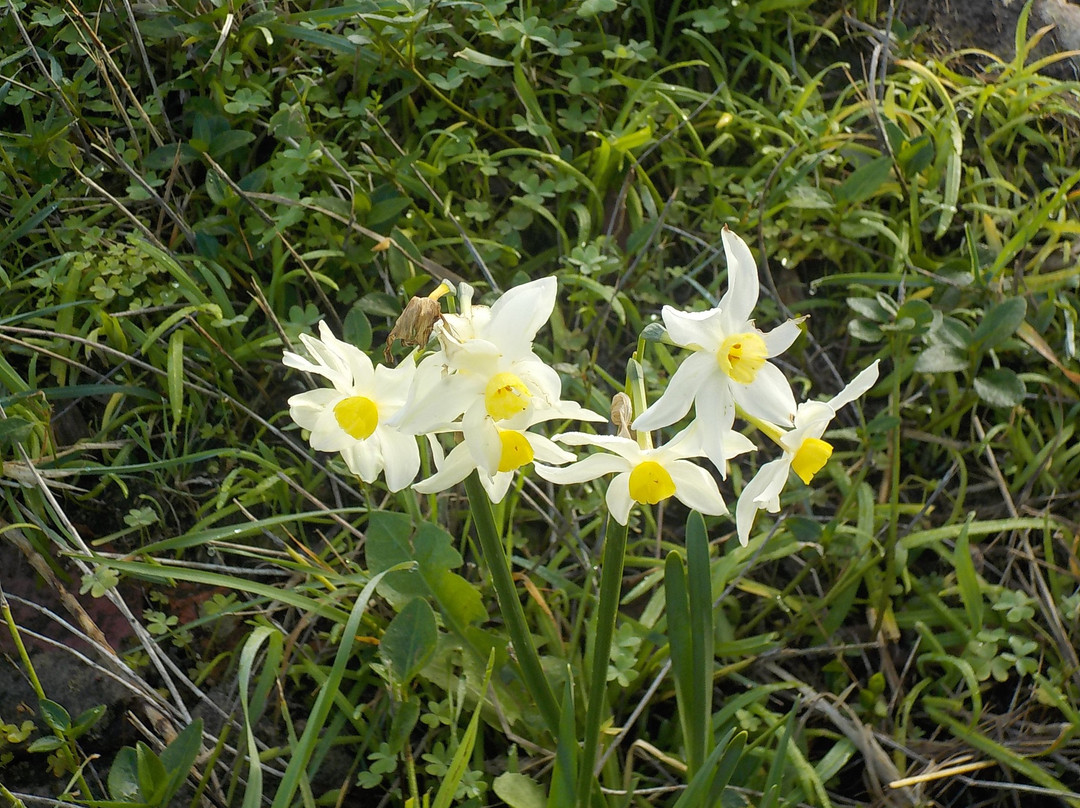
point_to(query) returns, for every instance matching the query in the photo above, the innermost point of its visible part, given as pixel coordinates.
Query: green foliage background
(188, 186)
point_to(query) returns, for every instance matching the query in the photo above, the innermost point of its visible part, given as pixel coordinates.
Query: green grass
(186, 188)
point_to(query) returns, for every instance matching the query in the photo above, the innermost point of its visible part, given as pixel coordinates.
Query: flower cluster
(484, 383)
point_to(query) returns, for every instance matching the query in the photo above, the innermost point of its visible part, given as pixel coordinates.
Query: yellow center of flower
(810, 458)
(650, 483)
(357, 415)
(506, 395)
(516, 451)
(742, 355)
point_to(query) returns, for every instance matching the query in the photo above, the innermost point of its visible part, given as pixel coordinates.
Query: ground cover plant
(201, 608)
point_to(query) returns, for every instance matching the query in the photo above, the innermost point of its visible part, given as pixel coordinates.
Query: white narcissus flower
(805, 453)
(729, 365)
(513, 446)
(486, 364)
(487, 375)
(351, 416)
(646, 476)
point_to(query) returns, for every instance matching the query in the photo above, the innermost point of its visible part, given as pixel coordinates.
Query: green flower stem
(768, 429)
(528, 660)
(611, 575)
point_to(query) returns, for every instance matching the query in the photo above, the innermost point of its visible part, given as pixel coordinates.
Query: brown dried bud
(622, 414)
(414, 325)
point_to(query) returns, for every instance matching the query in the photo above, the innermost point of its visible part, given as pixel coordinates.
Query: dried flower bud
(622, 414)
(414, 325)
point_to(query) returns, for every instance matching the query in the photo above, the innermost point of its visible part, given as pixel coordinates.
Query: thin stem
(529, 662)
(5, 611)
(607, 607)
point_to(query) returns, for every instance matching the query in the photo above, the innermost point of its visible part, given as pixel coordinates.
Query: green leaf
(567, 752)
(518, 791)
(864, 331)
(228, 141)
(1000, 323)
(409, 641)
(476, 57)
(176, 377)
(591, 8)
(253, 792)
(864, 181)
(48, 743)
(870, 308)
(357, 328)
(458, 764)
(13, 431)
(303, 749)
(55, 716)
(401, 726)
(699, 593)
(179, 756)
(807, 197)
(718, 769)
(391, 540)
(153, 777)
(966, 579)
(940, 358)
(123, 777)
(680, 641)
(87, 719)
(1000, 387)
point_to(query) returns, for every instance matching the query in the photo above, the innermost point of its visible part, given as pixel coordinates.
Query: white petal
(401, 456)
(776, 477)
(295, 360)
(811, 419)
(856, 387)
(477, 356)
(618, 498)
(680, 394)
(623, 447)
(541, 379)
(780, 338)
(715, 417)
(742, 279)
(546, 451)
(753, 498)
(519, 314)
(456, 467)
(482, 437)
(305, 408)
(590, 468)
(327, 435)
(768, 396)
(392, 384)
(439, 405)
(736, 443)
(364, 459)
(696, 488)
(564, 410)
(699, 330)
(497, 486)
